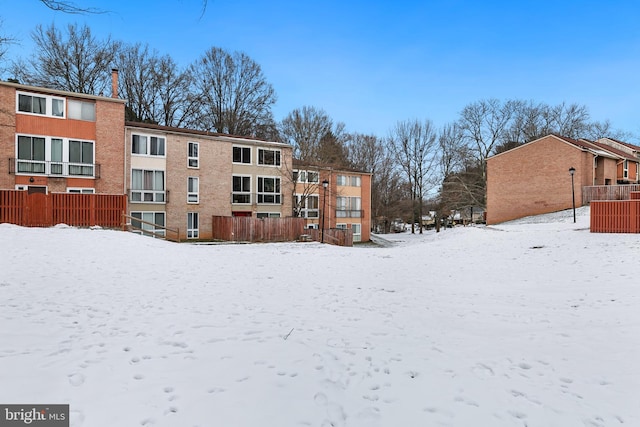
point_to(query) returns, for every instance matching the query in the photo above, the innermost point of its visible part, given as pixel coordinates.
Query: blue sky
(371, 64)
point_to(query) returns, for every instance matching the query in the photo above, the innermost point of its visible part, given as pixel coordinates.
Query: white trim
(196, 157)
(48, 105)
(81, 190)
(148, 137)
(277, 195)
(274, 150)
(193, 232)
(195, 194)
(241, 193)
(241, 162)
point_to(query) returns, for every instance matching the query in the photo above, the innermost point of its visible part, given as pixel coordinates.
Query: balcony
(53, 169)
(148, 196)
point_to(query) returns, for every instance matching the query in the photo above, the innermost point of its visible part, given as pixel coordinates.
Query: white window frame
(193, 190)
(22, 187)
(357, 237)
(157, 196)
(341, 226)
(148, 145)
(81, 190)
(81, 110)
(625, 169)
(193, 156)
(147, 227)
(303, 202)
(243, 192)
(341, 180)
(242, 161)
(48, 105)
(61, 167)
(268, 215)
(348, 207)
(277, 157)
(277, 193)
(193, 226)
(302, 176)
(355, 181)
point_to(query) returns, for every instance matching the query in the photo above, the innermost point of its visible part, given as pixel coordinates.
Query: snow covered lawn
(530, 323)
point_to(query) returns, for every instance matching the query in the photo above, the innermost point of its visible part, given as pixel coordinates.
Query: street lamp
(572, 171)
(325, 184)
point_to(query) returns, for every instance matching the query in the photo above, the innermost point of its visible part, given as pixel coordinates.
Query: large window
(54, 156)
(154, 222)
(269, 190)
(348, 207)
(241, 188)
(41, 104)
(268, 157)
(357, 232)
(147, 186)
(193, 157)
(306, 177)
(351, 181)
(82, 110)
(192, 189)
(31, 154)
(146, 145)
(308, 206)
(193, 230)
(80, 158)
(242, 155)
(263, 215)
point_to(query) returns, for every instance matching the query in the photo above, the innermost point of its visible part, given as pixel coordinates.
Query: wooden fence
(248, 229)
(608, 192)
(45, 210)
(615, 216)
(334, 236)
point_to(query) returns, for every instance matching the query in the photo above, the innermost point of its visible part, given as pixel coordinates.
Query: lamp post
(325, 184)
(572, 171)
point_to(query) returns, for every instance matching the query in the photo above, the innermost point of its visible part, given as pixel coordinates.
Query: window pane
(246, 183)
(157, 146)
(24, 103)
(56, 150)
(88, 111)
(57, 107)
(38, 149)
(24, 147)
(87, 152)
(75, 151)
(139, 144)
(136, 179)
(237, 183)
(159, 182)
(39, 105)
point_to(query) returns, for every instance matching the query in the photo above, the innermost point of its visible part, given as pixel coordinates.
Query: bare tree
(70, 7)
(304, 129)
(414, 147)
(156, 90)
(76, 62)
(233, 94)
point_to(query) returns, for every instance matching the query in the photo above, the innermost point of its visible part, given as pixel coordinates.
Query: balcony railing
(54, 169)
(238, 198)
(344, 213)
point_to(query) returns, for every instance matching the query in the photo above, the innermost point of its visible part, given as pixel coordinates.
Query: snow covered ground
(529, 323)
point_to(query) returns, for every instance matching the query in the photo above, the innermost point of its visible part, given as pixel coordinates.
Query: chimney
(114, 82)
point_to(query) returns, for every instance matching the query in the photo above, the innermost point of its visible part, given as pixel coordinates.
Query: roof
(615, 151)
(631, 146)
(65, 93)
(204, 133)
(582, 144)
(297, 163)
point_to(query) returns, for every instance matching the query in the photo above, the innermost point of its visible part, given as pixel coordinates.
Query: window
(192, 189)
(192, 155)
(82, 110)
(352, 181)
(43, 105)
(56, 156)
(357, 232)
(153, 222)
(306, 177)
(268, 215)
(625, 171)
(147, 145)
(241, 189)
(31, 151)
(308, 206)
(348, 207)
(268, 157)
(341, 226)
(242, 155)
(269, 190)
(192, 225)
(81, 190)
(147, 186)
(81, 158)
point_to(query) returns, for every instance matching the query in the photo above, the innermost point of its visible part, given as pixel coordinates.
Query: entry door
(38, 212)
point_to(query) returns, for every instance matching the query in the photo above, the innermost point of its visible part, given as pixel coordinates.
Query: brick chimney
(114, 82)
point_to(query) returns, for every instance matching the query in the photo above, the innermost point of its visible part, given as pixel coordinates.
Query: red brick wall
(110, 147)
(534, 179)
(7, 135)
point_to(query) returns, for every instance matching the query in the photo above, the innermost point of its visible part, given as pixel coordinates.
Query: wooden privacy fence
(334, 236)
(248, 229)
(616, 216)
(608, 192)
(45, 210)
